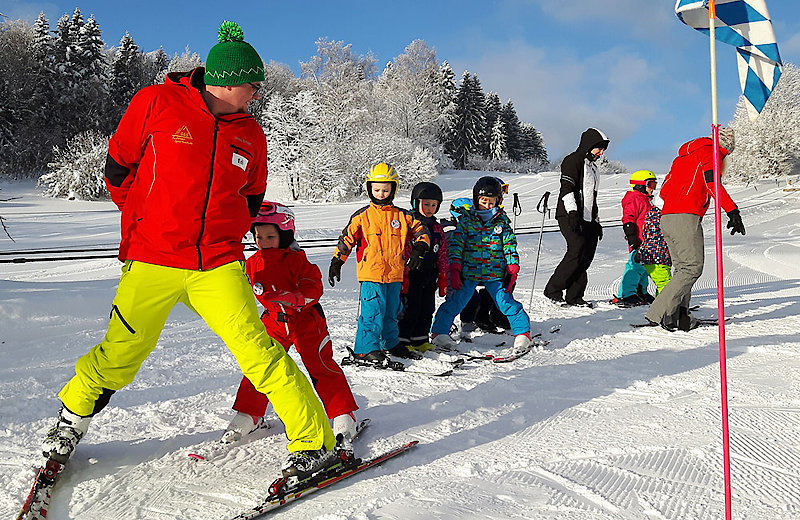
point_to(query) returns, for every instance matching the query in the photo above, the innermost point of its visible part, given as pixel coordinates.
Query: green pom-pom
(230, 32)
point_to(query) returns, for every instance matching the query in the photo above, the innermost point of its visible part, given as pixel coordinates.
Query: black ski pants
(418, 306)
(570, 274)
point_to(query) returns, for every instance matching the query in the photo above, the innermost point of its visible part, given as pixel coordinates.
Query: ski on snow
(510, 355)
(282, 491)
(219, 448)
(38, 501)
(701, 322)
(398, 366)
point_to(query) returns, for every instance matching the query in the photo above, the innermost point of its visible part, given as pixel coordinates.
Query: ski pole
(516, 209)
(541, 207)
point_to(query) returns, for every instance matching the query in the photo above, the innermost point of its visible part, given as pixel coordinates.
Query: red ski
(282, 493)
(38, 501)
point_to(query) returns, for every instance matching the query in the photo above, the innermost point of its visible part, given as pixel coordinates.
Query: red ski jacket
(182, 177)
(689, 185)
(635, 205)
(284, 270)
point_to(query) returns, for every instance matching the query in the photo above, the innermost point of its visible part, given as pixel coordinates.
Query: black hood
(592, 138)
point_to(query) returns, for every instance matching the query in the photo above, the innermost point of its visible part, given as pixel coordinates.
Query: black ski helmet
(489, 187)
(425, 190)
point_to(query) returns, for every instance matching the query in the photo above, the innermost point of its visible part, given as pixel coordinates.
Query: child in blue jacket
(483, 251)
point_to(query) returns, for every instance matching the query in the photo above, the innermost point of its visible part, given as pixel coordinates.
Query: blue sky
(628, 67)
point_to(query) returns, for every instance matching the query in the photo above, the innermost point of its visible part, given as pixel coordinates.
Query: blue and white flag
(746, 25)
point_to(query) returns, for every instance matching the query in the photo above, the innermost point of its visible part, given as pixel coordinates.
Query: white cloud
(614, 90)
(16, 10)
(790, 47)
(641, 18)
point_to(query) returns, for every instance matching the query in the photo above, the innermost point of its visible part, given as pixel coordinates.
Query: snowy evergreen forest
(64, 91)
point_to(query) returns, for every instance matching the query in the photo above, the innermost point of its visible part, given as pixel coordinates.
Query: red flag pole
(726, 459)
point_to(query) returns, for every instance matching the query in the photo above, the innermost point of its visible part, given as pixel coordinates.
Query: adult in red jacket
(687, 192)
(188, 166)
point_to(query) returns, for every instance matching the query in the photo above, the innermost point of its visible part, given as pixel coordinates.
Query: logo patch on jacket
(239, 160)
(498, 229)
(396, 224)
(183, 136)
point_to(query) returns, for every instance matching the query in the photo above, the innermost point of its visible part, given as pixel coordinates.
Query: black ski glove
(574, 221)
(417, 254)
(335, 270)
(599, 231)
(631, 234)
(735, 223)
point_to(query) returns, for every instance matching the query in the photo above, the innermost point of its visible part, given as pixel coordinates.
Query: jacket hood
(696, 144)
(192, 78)
(592, 138)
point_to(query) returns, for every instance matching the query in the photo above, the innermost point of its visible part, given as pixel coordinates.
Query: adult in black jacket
(576, 214)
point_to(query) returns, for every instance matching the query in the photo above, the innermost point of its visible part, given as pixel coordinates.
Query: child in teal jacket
(483, 251)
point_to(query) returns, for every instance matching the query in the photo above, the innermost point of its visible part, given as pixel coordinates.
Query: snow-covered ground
(606, 422)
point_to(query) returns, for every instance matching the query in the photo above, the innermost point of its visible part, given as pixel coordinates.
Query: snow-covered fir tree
(24, 134)
(511, 126)
(493, 107)
(183, 62)
(447, 108)
(497, 144)
(157, 61)
(470, 123)
(770, 145)
(128, 75)
(532, 146)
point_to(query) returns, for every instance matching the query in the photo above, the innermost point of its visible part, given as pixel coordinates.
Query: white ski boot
(62, 438)
(346, 425)
(443, 342)
(304, 463)
(241, 426)
(522, 344)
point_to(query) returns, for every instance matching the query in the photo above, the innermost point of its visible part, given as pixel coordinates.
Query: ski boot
(302, 464)
(241, 426)
(404, 351)
(62, 438)
(443, 342)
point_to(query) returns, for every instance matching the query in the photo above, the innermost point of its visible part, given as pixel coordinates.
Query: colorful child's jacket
(654, 248)
(483, 249)
(379, 235)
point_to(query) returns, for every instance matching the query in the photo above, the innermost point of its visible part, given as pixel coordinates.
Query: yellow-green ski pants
(224, 299)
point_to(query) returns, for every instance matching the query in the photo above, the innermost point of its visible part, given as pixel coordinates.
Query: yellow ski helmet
(382, 172)
(642, 177)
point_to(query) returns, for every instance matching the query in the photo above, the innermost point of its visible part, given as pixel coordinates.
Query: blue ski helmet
(459, 205)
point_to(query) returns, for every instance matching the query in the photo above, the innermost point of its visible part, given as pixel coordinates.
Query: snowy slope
(606, 422)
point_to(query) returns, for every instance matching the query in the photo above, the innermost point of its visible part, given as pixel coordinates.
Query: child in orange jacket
(289, 288)
(379, 233)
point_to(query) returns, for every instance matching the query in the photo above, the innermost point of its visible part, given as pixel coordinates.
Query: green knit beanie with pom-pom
(233, 61)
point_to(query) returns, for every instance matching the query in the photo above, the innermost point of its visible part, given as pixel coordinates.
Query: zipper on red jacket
(208, 196)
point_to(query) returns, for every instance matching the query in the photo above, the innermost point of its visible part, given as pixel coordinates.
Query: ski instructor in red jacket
(687, 192)
(187, 166)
